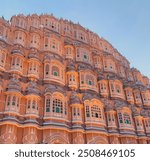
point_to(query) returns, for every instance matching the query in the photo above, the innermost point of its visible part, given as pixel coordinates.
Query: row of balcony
(140, 125)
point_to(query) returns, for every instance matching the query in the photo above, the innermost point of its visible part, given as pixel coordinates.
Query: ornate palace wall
(61, 83)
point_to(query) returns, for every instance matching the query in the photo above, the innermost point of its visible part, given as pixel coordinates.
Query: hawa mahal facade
(63, 84)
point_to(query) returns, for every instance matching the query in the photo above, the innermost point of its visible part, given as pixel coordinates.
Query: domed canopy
(33, 88)
(53, 88)
(135, 111)
(70, 66)
(74, 99)
(145, 113)
(17, 49)
(14, 85)
(34, 55)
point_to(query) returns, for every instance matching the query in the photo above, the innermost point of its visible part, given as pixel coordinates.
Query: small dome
(74, 99)
(54, 88)
(135, 111)
(84, 67)
(33, 88)
(144, 113)
(34, 55)
(47, 57)
(70, 66)
(14, 85)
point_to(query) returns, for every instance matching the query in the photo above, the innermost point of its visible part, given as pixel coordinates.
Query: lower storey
(12, 134)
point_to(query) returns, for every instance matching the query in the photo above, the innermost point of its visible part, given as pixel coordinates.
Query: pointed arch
(56, 139)
(98, 140)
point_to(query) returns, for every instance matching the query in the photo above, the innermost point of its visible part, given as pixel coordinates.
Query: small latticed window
(8, 101)
(48, 105)
(87, 111)
(47, 69)
(85, 56)
(120, 118)
(118, 89)
(14, 101)
(33, 104)
(29, 103)
(90, 82)
(76, 111)
(96, 111)
(55, 71)
(127, 119)
(57, 106)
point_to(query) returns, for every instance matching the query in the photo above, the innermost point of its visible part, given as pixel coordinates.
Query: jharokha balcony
(62, 83)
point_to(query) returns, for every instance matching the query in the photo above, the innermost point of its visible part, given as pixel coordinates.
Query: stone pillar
(8, 134)
(30, 136)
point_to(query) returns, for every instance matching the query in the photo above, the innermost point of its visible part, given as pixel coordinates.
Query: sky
(124, 23)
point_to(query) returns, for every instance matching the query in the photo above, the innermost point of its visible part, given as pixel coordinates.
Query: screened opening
(96, 115)
(90, 82)
(85, 57)
(48, 105)
(87, 111)
(14, 101)
(33, 104)
(57, 106)
(55, 73)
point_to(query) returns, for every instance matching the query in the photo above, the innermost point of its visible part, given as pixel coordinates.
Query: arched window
(17, 62)
(82, 78)
(87, 111)
(13, 61)
(112, 87)
(8, 101)
(118, 89)
(14, 100)
(96, 111)
(83, 55)
(20, 37)
(55, 71)
(33, 104)
(47, 69)
(89, 80)
(33, 68)
(124, 118)
(76, 111)
(12, 103)
(103, 86)
(29, 104)
(57, 106)
(48, 105)
(127, 119)
(69, 52)
(55, 46)
(109, 64)
(35, 22)
(17, 102)
(120, 117)
(46, 42)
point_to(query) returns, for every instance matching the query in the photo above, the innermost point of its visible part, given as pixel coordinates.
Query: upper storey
(47, 34)
(46, 29)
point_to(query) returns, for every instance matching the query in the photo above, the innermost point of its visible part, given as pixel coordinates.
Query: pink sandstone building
(63, 84)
